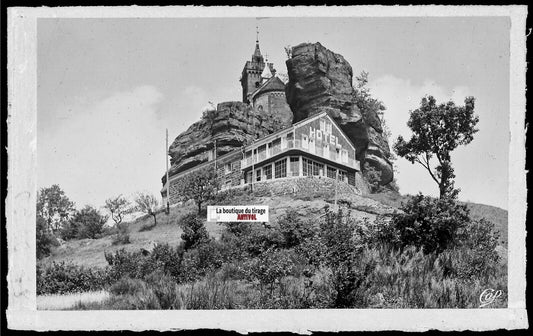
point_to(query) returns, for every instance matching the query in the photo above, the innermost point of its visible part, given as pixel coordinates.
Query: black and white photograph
(259, 161)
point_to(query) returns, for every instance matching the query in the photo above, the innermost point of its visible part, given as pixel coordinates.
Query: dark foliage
(45, 239)
(61, 278)
(194, 231)
(428, 223)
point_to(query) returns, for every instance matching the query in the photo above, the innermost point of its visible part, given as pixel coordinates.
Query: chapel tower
(251, 73)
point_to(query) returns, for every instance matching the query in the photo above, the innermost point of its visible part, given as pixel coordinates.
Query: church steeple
(257, 52)
(251, 77)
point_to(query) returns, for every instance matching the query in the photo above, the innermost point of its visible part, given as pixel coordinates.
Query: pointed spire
(257, 52)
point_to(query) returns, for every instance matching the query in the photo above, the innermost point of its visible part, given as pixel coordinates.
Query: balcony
(297, 144)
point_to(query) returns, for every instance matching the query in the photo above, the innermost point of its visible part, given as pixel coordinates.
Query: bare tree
(148, 204)
(117, 207)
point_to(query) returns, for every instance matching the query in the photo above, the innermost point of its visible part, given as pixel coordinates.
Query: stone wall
(303, 186)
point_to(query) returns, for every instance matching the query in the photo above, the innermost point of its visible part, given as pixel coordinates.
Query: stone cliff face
(232, 124)
(320, 80)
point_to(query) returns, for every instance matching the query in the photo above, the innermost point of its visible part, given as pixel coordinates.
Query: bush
(86, 223)
(204, 259)
(61, 278)
(45, 239)
(372, 177)
(271, 267)
(293, 229)
(137, 266)
(158, 291)
(194, 231)
(122, 236)
(429, 223)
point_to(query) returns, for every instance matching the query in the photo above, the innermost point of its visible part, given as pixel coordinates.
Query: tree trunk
(155, 219)
(199, 207)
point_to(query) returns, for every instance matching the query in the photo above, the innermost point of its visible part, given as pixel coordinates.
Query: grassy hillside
(90, 252)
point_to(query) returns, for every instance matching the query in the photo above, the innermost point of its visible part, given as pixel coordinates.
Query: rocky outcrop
(321, 80)
(232, 125)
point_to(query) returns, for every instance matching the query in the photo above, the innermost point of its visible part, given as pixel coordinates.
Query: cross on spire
(256, 34)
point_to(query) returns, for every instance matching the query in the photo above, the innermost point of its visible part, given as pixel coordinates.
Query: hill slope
(90, 252)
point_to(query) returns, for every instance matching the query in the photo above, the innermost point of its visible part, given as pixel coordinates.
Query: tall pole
(336, 183)
(215, 155)
(168, 182)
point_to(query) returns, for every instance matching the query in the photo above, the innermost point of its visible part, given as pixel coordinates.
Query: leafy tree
(293, 229)
(54, 207)
(200, 185)
(117, 207)
(45, 240)
(373, 111)
(194, 231)
(437, 131)
(87, 223)
(148, 204)
(373, 177)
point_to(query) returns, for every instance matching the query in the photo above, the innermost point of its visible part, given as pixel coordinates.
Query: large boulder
(321, 80)
(233, 124)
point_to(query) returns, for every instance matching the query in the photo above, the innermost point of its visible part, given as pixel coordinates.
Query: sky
(108, 89)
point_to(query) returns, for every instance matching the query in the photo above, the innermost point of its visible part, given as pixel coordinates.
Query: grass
(69, 301)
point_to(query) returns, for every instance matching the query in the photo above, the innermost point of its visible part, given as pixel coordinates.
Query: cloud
(400, 96)
(111, 147)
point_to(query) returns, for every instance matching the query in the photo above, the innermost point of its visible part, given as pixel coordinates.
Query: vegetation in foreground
(433, 255)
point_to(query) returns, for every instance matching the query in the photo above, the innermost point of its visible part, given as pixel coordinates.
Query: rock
(321, 80)
(232, 125)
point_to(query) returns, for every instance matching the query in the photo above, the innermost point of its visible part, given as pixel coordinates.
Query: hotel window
(262, 152)
(328, 128)
(322, 125)
(267, 171)
(280, 168)
(342, 175)
(295, 166)
(317, 167)
(305, 140)
(248, 177)
(227, 168)
(258, 175)
(332, 172)
(307, 167)
(344, 156)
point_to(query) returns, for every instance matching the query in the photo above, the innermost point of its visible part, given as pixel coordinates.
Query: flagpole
(168, 182)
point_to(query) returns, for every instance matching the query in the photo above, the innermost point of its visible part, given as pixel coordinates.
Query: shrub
(135, 265)
(45, 239)
(204, 259)
(271, 267)
(60, 278)
(86, 223)
(250, 239)
(428, 223)
(194, 231)
(293, 229)
(127, 286)
(372, 177)
(122, 236)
